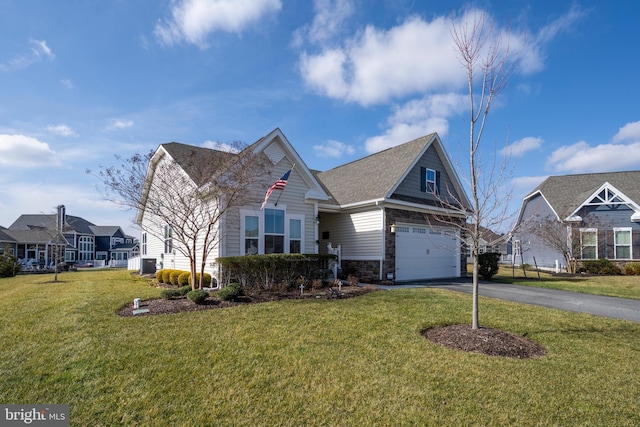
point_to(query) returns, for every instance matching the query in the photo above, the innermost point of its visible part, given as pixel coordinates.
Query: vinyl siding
(533, 251)
(292, 199)
(410, 188)
(358, 233)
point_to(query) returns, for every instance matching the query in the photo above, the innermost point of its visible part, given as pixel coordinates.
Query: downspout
(316, 241)
(383, 239)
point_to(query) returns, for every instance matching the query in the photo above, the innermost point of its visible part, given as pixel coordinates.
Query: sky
(84, 81)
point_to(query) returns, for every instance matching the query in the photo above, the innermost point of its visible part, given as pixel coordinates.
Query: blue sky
(81, 81)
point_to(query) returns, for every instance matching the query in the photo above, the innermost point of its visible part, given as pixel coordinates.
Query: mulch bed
(487, 341)
(179, 305)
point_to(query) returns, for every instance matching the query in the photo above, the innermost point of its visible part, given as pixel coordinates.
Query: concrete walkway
(616, 308)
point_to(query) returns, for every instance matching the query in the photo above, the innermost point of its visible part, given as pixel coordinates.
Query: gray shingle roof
(190, 158)
(566, 193)
(374, 176)
(32, 221)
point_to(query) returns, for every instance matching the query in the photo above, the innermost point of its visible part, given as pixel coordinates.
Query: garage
(424, 252)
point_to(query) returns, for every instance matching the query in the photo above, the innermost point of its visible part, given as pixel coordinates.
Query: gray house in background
(32, 238)
(600, 212)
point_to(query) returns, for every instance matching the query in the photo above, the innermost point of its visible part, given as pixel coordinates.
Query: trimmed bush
(173, 277)
(270, 271)
(184, 279)
(230, 292)
(170, 293)
(632, 268)
(166, 273)
(488, 264)
(159, 276)
(198, 296)
(600, 266)
(184, 290)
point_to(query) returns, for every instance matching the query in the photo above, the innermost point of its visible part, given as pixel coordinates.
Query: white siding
(359, 234)
(291, 199)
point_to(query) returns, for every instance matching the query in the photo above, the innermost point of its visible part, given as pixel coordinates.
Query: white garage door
(424, 252)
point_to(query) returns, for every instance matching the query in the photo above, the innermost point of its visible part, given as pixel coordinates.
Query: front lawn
(614, 286)
(357, 361)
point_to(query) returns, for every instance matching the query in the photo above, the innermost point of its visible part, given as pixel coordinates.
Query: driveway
(616, 308)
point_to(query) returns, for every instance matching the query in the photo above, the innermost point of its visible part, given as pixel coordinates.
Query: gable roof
(27, 222)
(105, 230)
(4, 237)
(376, 176)
(567, 193)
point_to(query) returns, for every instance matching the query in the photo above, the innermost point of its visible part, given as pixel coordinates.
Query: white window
(271, 231)
(430, 179)
(251, 235)
(296, 243)
(622, 242)
(69, 256)
(168, 239)
(589, 243)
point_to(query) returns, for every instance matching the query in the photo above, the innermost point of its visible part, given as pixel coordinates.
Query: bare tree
(573, 239)
(489, 63)
(184, 195)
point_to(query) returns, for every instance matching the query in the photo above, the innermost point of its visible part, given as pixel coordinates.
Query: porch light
(393, 228)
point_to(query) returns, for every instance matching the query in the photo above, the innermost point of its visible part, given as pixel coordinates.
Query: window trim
(583, 246)
(244, 213)
(616, 245)
(288, 239)
(168, 239)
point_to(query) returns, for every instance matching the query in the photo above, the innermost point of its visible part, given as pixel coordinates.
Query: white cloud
(583, 158)
(221, 146)
(417, 118)
(62, 130)
(628, 132)
(521, 146)
(332, 148)
(39, 51)
(193, 20)
(527, 183)
(21, 151)
(67, 83)
(532, 49)
(120, 124)
(43, 197)
(328, 22)
(377, 65)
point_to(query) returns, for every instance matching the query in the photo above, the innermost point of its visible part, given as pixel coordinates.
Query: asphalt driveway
(617, 308)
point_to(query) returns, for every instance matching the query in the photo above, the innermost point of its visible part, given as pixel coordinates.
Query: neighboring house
(34, 238)
(490, 242)
(385, 212)
(600, 212)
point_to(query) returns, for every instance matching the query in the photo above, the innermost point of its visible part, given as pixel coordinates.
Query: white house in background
(383, 211)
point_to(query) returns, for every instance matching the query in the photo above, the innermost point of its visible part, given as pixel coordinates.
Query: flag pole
(276, 204)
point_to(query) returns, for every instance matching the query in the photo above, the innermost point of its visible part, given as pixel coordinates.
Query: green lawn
(613, 286)
(351, 362)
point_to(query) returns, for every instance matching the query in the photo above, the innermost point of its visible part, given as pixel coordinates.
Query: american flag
(278, 185)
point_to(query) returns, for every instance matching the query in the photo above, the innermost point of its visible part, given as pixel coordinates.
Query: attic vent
(274, 153)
